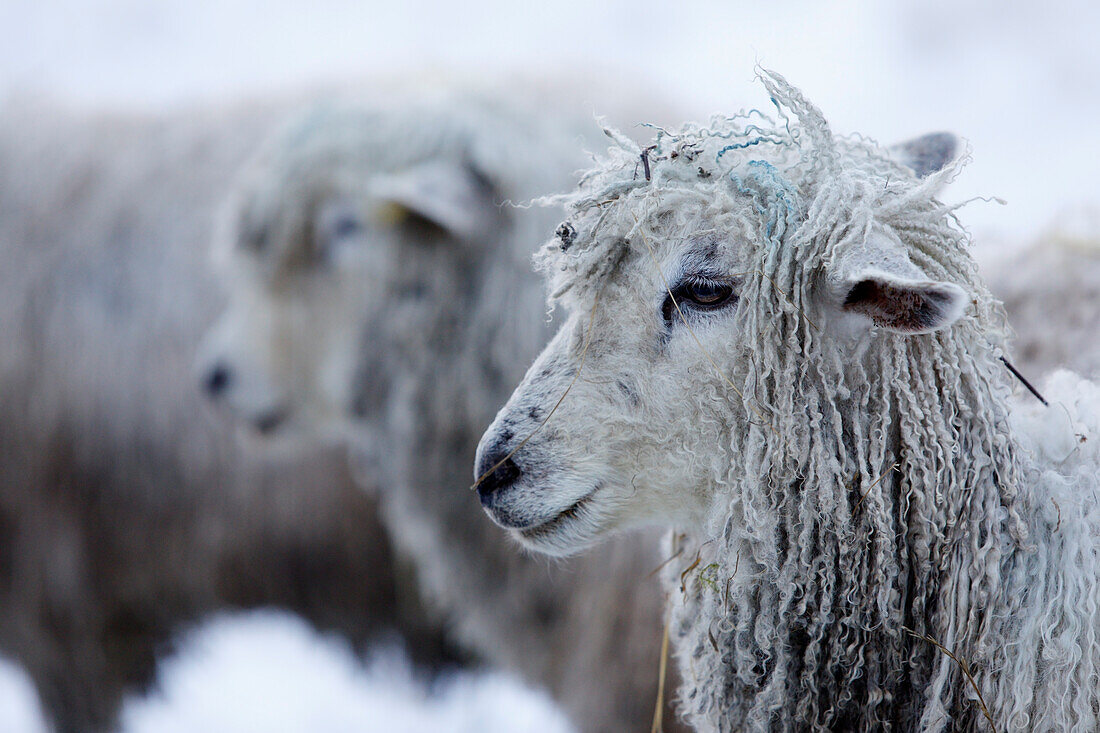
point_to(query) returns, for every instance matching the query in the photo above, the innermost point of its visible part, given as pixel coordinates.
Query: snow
(1020, 80)
(269, 671)
(19, 708)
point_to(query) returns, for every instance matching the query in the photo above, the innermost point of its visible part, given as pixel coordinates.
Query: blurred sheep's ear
(926, 154)
(877, 280)
(449, 194)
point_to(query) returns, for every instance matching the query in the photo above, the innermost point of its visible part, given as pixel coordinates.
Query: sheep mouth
(551, 526)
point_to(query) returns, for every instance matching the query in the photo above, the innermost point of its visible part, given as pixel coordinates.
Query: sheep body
(788, 356)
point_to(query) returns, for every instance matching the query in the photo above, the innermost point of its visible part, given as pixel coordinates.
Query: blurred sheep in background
(379, 262)
(126, 510)
(1051, 292)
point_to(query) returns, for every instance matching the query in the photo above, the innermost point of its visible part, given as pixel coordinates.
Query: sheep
(777, 343)
(376, 254)
(127, 512)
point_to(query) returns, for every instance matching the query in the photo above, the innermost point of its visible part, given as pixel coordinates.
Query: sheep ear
(905, 306)
(926, 154)
(449, 194)
(877, 280)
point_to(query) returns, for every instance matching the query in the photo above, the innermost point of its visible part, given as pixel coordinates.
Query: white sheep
(381, 285)
(126, 511)
(777, 343)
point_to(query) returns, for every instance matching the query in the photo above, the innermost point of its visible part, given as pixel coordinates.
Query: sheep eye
(698, 294)
(705, 293)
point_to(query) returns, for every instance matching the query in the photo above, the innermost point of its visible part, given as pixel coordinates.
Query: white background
(1020, 80)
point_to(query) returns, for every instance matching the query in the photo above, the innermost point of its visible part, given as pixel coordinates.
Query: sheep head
(347, 235)
(738, 233)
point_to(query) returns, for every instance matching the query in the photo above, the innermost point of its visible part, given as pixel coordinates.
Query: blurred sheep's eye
(346, 226)
(698, 294)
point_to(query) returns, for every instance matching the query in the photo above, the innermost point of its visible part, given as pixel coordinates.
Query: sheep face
(337, 246)
(282, 354)
(617, 422)
(617, 450)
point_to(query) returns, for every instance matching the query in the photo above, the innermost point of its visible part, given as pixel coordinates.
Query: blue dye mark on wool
(775, 197)
(733, 122)
(766, 137)
(740, 146)
(661, 133)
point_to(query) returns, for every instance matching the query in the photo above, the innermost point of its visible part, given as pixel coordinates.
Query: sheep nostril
(217, 379)
(496, 471)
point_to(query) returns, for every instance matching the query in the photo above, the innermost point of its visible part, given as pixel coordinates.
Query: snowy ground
(19, 708)
(269, 672)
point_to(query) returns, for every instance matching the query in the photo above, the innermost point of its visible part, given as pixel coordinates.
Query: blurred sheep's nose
(217, 379)
(496, 470)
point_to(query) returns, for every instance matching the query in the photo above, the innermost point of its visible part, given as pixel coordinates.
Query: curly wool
(867, 503)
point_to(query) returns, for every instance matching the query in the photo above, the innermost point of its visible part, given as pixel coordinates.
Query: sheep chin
(568, 533)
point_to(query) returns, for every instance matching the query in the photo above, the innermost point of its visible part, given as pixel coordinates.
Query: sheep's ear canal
(448, 194)
(902, 305)
(875, 278)
(926, 154)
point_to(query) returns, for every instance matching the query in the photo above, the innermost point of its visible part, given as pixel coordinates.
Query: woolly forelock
(881, 497)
